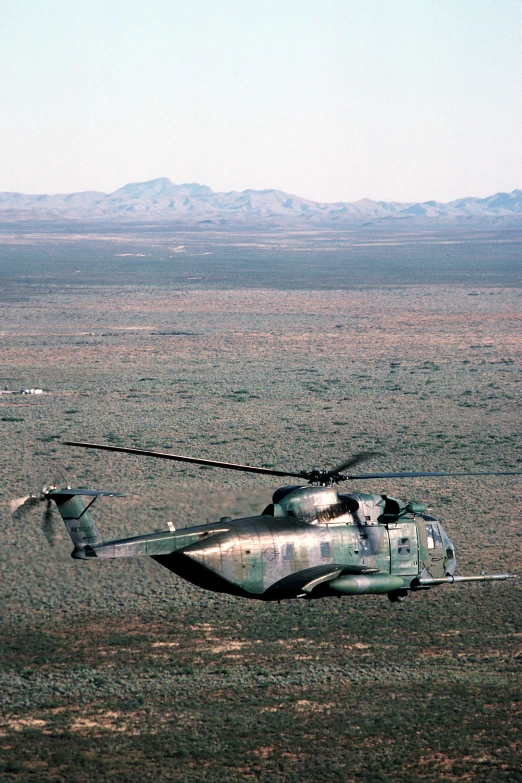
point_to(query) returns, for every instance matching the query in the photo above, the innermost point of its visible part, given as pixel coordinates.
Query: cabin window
(288, 552)
(403, 546)
(434, 537)
(326, 549)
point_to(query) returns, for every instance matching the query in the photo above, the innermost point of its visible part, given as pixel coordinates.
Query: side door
(404, 548)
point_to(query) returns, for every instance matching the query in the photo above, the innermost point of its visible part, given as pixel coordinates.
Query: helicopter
(310, 542)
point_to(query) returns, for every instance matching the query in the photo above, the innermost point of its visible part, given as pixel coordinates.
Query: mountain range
(161, 200)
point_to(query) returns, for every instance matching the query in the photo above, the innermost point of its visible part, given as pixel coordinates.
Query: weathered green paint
(78, 521)
(404, 548)
(371, 584)
(310, 542)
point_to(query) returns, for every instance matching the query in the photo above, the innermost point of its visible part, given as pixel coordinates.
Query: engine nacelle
(324, 505)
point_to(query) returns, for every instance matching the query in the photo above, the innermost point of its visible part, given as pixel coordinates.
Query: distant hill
(161, 200)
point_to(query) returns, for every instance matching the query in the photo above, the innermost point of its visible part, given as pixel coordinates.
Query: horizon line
(255, 190)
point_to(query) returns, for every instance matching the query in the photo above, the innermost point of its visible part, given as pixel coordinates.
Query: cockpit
(439, 544)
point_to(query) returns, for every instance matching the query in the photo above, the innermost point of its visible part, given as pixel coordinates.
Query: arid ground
(273, 351)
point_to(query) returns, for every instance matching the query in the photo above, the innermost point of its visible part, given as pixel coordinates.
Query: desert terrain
(277, 349)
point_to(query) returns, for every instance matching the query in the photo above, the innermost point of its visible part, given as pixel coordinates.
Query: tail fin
(75, 514)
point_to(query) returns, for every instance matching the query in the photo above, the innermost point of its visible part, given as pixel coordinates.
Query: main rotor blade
(421, 474)
(306, 475)
(211, 462)
(356, 459)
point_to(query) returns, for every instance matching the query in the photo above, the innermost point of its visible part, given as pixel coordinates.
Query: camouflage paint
(310, 542)
(78, 521)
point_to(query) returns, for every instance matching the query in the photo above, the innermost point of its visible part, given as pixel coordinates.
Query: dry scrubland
(121, 671)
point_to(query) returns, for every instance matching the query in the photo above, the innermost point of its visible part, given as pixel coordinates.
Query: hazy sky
(329, 99)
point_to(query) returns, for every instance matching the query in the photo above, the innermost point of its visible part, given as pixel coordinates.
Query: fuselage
(279, 555)
(309, 542)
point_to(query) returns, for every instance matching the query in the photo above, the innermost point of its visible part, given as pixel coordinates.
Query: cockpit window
(434, 537)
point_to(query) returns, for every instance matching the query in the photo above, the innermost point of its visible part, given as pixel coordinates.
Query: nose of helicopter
(450, 561)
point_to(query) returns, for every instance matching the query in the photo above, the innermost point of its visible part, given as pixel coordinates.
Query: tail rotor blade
(47, 526)
(19, 506)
